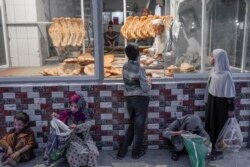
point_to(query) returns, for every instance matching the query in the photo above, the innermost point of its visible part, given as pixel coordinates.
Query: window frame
(99, 50)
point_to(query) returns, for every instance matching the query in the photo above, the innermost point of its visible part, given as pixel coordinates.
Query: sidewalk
(154, 158)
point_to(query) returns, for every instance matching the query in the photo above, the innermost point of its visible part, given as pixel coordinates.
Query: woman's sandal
(174, 156)
(141, 153)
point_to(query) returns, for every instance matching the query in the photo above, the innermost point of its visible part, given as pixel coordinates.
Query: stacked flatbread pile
(185, 67)
(141, 27)
(83, 64)
(108, 69)
(67, 32)
(171, 70)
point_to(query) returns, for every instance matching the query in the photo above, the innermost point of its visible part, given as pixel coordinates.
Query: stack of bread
(171, 70)
(67, 32)
(141, 27)
(83, 64)
(185, 67)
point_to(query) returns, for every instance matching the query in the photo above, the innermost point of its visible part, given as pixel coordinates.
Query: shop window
(38, 47)
(50, 38)
(226, 20)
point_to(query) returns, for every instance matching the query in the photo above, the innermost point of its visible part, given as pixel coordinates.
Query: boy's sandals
(141, 153)
(10, 161)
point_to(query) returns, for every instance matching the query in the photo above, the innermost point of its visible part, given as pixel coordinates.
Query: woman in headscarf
(186, 124)
(81, 150)
(219, 97)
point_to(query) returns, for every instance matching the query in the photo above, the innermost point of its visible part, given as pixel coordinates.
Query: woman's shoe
(216, 155)
(174, 156)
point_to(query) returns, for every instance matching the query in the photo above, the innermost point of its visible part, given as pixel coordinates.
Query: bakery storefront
(51, 49)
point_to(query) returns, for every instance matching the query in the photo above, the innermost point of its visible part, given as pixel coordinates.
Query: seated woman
(186, 124)
(111, 37)
(81, 150)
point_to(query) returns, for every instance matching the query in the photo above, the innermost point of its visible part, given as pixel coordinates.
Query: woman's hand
(15, 155)
(177, 133)
(145, 51)
(9, 151)
(72, 126)
(55, 115)
(231, 114)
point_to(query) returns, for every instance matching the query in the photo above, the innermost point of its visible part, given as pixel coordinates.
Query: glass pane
(58, 42)
(2, 49)
(226, 30)
(185, 39)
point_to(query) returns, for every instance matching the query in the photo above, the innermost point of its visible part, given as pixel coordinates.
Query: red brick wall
(167, 101)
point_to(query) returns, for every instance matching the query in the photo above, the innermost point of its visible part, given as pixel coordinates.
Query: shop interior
(59, 40)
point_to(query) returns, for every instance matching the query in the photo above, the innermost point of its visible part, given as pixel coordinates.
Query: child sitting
(19, 142)
(81, 150)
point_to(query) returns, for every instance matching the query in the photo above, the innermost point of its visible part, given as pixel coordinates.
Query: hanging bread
(55, 32)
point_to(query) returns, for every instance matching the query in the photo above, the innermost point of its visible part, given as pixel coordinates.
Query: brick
(9, 95)
(188, 91)
(105, 93)
(10, 107)
(106, 116)
(106, 127)
(57, 94)
(176, 91)
(45, 94)
(171, 86)
(34, 106)
(58, 106)
(39, 100)
(188, 103)
(244, 101)
(33, 94)
(27, 89)
(199, 91)
(9, 118)
(106, 105)
(244, 112)
(182, 97)
(35, 118)
(153, 115)
(176, 103)
(245, 90)
(75, 87)
(176, 114)
(107, 138)
(154, 104)
(165, 92)
(154, 93)
(199, 103)
(153, 126)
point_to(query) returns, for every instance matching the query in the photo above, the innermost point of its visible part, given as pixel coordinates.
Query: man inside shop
(111, 37)
(154, 55)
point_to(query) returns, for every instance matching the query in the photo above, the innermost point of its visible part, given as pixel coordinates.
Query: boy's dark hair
(22, 116)
(110, 26)
(132, 51)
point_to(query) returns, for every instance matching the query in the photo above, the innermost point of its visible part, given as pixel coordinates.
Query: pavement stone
(153, 158)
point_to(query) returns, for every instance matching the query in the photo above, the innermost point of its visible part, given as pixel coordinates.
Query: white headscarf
(221, 82)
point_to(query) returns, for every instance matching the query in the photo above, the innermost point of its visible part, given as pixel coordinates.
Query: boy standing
(137, 87)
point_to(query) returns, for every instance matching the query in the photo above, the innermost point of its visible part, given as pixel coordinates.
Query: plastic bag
(198, 148)
(57, 141)
(230, 137)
